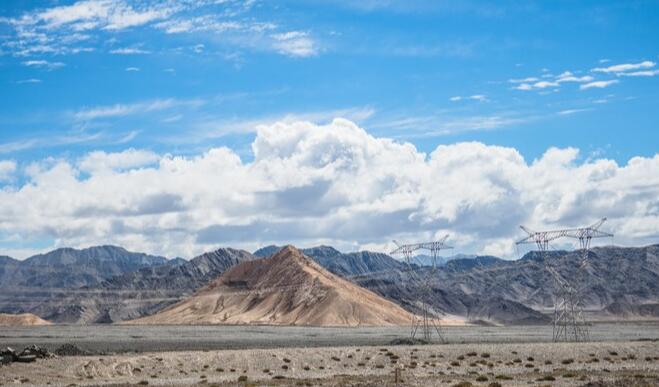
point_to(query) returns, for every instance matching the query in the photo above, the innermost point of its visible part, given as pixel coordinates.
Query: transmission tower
(568, 322)
(427, 321)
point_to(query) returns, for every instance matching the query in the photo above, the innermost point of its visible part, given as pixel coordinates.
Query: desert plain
(619, 354)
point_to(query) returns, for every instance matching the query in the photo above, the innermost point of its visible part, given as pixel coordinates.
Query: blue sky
(183, 77)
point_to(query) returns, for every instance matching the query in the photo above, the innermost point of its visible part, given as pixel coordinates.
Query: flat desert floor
(620, 355)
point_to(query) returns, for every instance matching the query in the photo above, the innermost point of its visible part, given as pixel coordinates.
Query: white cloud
(625, 67)
(204, 23)
(551, 80)
(70, 29)
(7, 169)
(524, 80)
(30, 80)
(568, 112)
(99, 161)
(43, 64)
(89, 14)
(129, 51)
(536, 86)
(569, 77)
(132, 69)
(644, 73)
(524, 87)
(136, 108)
(475, 97)
(295, 44)
(334, 183)
(74, 28)
(544, 84)
(598, 84)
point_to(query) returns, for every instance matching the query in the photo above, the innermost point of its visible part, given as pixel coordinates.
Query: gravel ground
(102, 339)
(509, 364)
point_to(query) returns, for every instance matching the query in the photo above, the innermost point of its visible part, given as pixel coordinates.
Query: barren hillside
(285, 289)
(25, 319)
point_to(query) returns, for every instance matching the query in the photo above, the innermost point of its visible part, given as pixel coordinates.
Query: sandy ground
(432, 365)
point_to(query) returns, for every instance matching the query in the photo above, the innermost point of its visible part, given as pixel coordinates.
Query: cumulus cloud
(99, 161)
(7, 169)
(331, 183)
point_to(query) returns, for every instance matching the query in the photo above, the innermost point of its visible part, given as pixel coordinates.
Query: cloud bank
(331, 183)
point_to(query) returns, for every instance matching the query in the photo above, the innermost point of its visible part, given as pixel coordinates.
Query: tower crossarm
(544, 237)
(408, 249)
(435, 246)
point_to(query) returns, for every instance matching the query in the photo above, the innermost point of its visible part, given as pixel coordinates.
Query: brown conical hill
(285, 289)
(19, 320)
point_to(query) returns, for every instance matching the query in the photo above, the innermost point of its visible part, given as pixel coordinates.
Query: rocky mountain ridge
(479, 288)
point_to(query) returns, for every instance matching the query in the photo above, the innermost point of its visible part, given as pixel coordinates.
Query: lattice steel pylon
(427, 321)
(569, 323)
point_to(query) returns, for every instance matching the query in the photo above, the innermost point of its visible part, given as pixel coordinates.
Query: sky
(176, 127)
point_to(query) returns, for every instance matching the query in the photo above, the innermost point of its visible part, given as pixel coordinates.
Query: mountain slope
(287, 288)
(345, 265)
(142, 292)
(72, 268)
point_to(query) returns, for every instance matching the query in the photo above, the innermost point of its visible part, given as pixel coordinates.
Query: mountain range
(108, 284)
